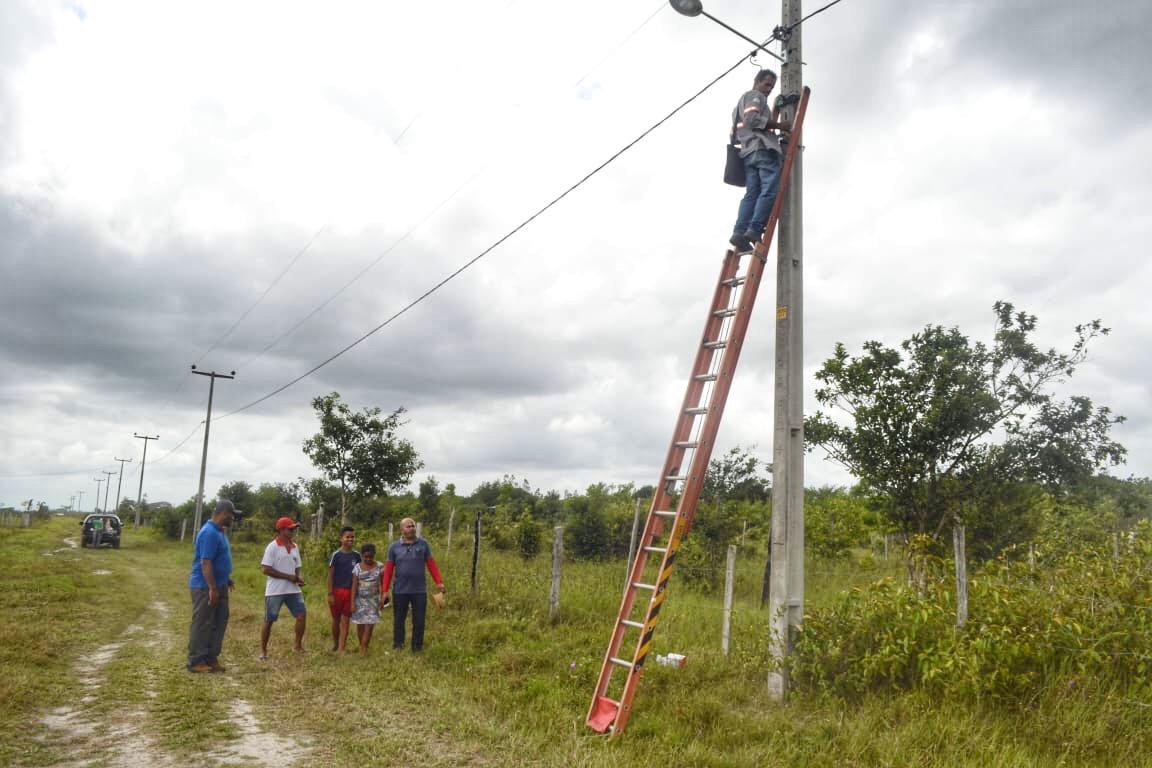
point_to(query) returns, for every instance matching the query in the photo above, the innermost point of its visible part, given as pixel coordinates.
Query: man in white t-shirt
(281, 564)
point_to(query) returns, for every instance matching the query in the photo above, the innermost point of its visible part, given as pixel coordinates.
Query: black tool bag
(734, 164)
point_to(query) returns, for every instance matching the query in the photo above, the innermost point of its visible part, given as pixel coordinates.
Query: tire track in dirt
(85, 740)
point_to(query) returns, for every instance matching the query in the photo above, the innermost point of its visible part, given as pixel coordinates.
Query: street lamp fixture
(696, 8)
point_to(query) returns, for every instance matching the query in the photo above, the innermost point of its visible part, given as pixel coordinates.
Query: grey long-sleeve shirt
(751, 118)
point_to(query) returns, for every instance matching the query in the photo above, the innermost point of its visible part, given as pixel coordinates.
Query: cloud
(154, 186)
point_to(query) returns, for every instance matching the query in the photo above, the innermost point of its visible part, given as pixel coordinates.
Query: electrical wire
(180, 444)
(492, 247)
(621, 44)
(264, 295)
(816, 12)
(319, 307)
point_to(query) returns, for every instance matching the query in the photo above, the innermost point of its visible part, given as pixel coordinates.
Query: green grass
(498, 684)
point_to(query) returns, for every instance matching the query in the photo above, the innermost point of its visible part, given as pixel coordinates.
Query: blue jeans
(762, 169)
(273, 604)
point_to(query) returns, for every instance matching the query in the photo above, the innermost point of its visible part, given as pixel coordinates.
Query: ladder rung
(642, 585)
(664, 513)
(661, 550)
(732, 282)
(724, 312)
(634, 624)
(696, 411)
(715, 344)
(676, 478)
(688, 444)
(620, 663)
(705, 377)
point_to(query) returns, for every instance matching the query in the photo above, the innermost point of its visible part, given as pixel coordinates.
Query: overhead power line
(180, 444)
(622, 43)
(264, 295)
(355, 278)
(492, 247)
(816, 12)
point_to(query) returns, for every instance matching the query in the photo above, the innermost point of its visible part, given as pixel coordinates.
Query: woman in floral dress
(366, 596)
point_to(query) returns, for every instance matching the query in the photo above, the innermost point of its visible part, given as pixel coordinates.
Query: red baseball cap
(286, 522)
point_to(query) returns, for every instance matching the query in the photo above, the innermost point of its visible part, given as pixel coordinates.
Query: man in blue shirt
(210, 582)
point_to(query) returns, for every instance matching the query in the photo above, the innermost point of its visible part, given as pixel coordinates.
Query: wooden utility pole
(143, 461)
(786, 583)
(120, 481)
(212, 376)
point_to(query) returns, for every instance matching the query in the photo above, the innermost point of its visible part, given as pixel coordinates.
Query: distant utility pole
(212, 376)
(98, 481)
(786, 583)
(119, 481)
(79, 501)
(140, 490)
(107, 487)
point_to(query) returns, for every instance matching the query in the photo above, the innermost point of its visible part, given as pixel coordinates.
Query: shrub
(1085, 615)
(528, 536)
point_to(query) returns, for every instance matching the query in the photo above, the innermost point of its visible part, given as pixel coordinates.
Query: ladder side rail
(740, 322)
(654, 525)
(695, 482)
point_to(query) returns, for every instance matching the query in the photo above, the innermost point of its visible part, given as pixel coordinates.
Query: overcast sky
(162, 164)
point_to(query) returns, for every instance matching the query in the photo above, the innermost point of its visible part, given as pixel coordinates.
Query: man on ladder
(754, 127)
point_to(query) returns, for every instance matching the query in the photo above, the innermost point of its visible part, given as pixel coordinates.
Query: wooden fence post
(476, 550)
(419, 530)
(729, 580)
(451, 520)
(389, 533)
(183, 528)
(557, 559)
(632, 544)
(961, 575)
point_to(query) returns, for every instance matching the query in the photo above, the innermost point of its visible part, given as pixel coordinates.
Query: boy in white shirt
(281, 564)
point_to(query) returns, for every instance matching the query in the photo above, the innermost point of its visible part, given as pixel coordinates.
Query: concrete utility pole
(98, 480)
(107, 487)
(212, 376)
(119, 481)
(143, 461)
(786, 584)
(80, 501)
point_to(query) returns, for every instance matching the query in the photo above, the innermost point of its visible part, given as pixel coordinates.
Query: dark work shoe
(200, 668)
(753, 237)
(741, 243)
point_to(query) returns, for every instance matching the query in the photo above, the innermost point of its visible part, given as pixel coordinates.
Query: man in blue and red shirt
(407, 559)
(210, 582)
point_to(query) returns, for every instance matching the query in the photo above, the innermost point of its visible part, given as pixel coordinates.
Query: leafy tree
(238, 492)
(528, 537)
(430, 500)
(587, 533)
(938, 424)
(360, 450)
(833, 522)
(320, 492)
(734, 476)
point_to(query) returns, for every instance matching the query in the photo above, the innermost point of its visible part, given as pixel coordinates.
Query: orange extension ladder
(692, 441)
